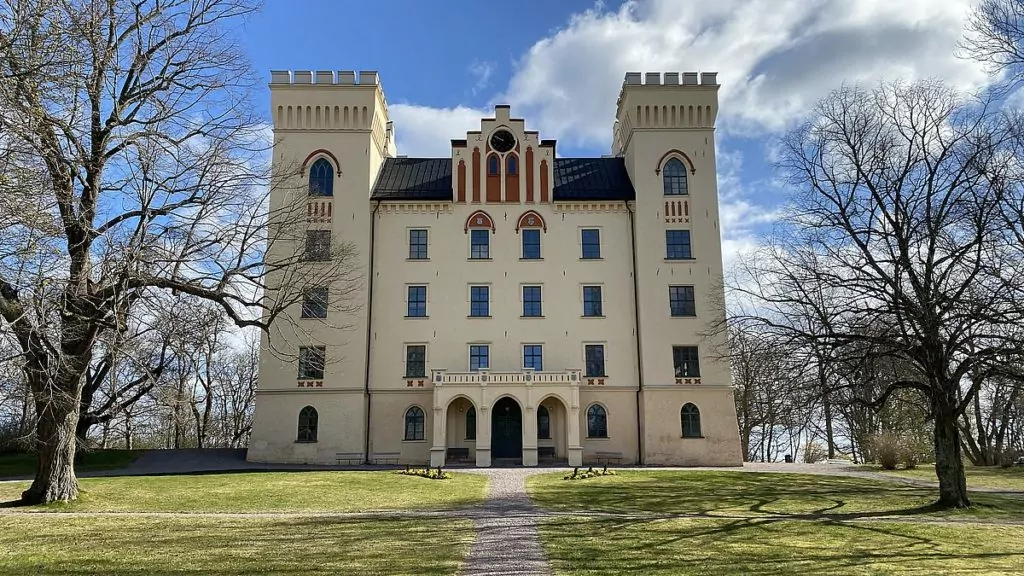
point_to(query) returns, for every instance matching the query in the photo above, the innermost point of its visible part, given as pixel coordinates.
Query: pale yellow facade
(484, 412)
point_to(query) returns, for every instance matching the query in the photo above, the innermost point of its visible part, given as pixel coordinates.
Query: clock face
(503, 141)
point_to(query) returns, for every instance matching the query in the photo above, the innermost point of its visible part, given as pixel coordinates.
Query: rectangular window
(318, 245)
(592, 301)
(479, 357)
(685, 360)
(681, 302)
(314, 303)
(533, 356)
(417, 244)
(311, 362)
(479, 301)
(595, 360)
(415, 361)
(677, 245)
(531, 244)
(591, 239)
(479, 244)
(531, 301)
(417, 302)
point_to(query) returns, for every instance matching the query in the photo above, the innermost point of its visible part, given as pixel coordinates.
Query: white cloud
(427, 131)
(482, 71)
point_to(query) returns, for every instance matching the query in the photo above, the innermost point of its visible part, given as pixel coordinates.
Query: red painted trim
(488, 222)
(521, 223)
(661, 161)
(313, 154)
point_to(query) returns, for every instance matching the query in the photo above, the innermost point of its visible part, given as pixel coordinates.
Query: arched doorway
(460, 432)
(506, 429)
(552, 431)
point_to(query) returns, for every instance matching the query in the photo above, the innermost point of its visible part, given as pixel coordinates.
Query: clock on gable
(502, 141)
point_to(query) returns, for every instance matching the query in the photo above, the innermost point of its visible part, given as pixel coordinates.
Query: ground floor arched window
(690, 416)
(597, 422)
(308, 422)
(414, 423)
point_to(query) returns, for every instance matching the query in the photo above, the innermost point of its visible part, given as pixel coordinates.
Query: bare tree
(146, 174)
(994, 36)
(899, 214)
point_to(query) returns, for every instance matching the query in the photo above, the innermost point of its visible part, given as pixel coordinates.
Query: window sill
(537, 317)
(414, 441)
(471, 259)
(483, 317)
(305, 442)
(693, 437)
(592, 316)
(589, 376)
(417, 317)
(598, 438)
(674, 195)
(690, 260)
(417, 259)
(683, 315)
(589, 259)
(312, 317)
(531, 259)
(409, 377)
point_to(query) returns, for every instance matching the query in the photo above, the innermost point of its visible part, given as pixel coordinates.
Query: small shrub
(887, 449)
(431, 473)
(814, 452)
(589, 473)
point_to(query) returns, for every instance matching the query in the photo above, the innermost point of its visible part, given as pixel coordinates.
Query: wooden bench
(458, 454)
(606, 457)
(348, 458)
(545, 451)
(386, 457)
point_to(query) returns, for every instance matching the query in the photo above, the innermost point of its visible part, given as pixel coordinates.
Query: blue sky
(560, 64)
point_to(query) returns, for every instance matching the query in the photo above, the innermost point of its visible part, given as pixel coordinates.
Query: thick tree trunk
(55, 479)
(949, 464)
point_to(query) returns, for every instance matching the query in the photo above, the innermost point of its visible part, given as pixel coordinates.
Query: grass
(267, 492)
(24, 464)
(126, 545)
(988, 477)
(748, 494)
(759, 546)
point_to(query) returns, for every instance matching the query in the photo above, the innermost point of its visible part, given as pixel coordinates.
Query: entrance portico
(515, 396)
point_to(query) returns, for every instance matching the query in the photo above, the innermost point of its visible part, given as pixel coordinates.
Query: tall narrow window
(590, 238)
(681, 301)
(321, 178)
(531, 302)
(479, 301)
(311, 362)
(417, 306)
(592, 301)
(533, 357)
(597, 422)
(677, 245)
(417, 244)
(492, 165)
(686, 362)
(543, 423)
(531, 244)
(414, 423)
(479, 357)
(314, 302)
(690, 417)
(415, 361)
(479, 244)
(318, 245)
(471, 423)
(674, 176)
(595, 360)
(513, 165)
(308, 422)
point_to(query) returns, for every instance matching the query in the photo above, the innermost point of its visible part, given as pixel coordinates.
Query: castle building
(516, 306)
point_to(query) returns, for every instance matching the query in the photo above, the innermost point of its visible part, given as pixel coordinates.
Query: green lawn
(751, 494)
(990, 477)
(760, 546)
(58, 544)
(22, 464)
(267, 492)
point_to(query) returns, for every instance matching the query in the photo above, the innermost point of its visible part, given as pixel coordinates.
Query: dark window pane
(592, 301)
(674, 175)
(492, 165)
(414, 423)
(543, 423)
(479, 357)
(686, 362)
(597, 422)
(417, 244)
(513, 165)
(308, 423)
(595, 360)
(677, 244)
(416, 361)
(311, 362)
(314, 303)
(417, 301)
(480, 244)
(690, 417)
(681, 301)
(533, 357)
(591, 238)
(318, 245)
(531, 244)
(531, 301)
(479, 301)
(471, 423)
(321, 178)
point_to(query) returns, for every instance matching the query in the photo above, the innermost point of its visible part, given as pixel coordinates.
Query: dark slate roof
(592, 179)
(575, 179)
(414, 179)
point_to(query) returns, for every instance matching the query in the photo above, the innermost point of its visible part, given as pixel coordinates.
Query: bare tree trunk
(949, 464)
(55, 481)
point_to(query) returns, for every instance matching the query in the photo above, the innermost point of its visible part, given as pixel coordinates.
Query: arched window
(597, 422)
(512, 165)
(308, 420)
(414, 423)
(471, 424)
(674, 176)
(543, 423)
(690, 416)
(492, 165)
(321, 178)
